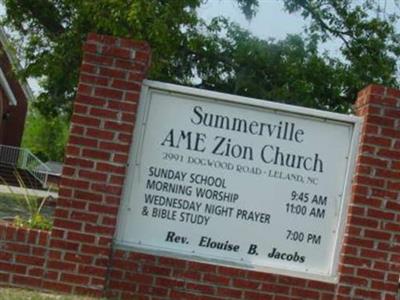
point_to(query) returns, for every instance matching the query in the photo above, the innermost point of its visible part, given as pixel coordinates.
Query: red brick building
(14, 95)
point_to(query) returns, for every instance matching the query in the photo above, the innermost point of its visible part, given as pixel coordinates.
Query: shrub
(30, 214)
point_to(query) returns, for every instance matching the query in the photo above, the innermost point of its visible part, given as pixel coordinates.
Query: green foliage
(52, 34)
(248, 7)
(37, 221)
(290, 71)
(370, 42)
(45, 136)
(220, 55)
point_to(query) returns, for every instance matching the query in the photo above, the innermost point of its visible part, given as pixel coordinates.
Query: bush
(46, 137)
(29, 207)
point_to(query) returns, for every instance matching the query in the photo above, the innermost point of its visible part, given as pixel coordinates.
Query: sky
(271, 21)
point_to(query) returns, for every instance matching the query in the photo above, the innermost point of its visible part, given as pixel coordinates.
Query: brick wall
(22, 256)
(152, 277)
(370, 264)
(81, 257)
(96, 156)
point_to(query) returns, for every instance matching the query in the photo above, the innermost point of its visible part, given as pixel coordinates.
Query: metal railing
(24, 159)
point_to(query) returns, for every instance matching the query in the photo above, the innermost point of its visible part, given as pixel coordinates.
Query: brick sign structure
(79, 255)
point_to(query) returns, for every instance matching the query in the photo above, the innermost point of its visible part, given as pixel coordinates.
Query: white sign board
(238, 181)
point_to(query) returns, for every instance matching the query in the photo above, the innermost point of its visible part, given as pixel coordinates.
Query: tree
(370, 42)
(45, 136)
(51, 33)
(290, 71)
(219, 54)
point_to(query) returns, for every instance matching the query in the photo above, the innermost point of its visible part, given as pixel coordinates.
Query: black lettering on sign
(208, 242)
(172, 237)
(225, 147)
(252, 249)
(278, 254)
(252, 215)
(185, 139)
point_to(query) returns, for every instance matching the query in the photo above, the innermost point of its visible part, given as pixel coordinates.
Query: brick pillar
(371, 255)
(102, 124)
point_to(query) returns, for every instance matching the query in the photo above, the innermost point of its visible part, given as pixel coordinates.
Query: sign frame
(228, 99)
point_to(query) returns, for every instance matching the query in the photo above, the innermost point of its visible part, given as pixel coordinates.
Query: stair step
(7, 173)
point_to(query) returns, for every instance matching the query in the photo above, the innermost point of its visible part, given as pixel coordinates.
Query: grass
(20, 294)
(10, 206)
(34, 217)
